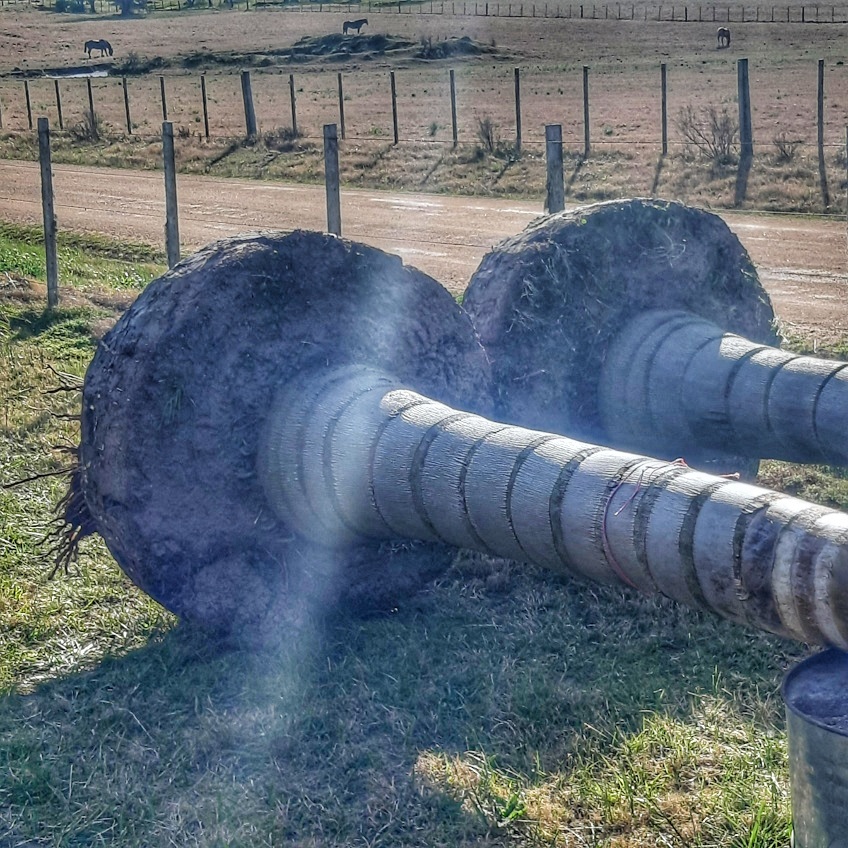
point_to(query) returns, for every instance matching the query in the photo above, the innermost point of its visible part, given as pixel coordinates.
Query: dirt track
(803, 262)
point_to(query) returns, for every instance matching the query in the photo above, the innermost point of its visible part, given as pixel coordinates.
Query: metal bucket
(816, 696)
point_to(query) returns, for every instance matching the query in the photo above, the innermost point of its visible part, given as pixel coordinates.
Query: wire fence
(493, 106)
(716, 12)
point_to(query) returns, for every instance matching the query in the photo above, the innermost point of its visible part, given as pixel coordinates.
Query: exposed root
(71, 524)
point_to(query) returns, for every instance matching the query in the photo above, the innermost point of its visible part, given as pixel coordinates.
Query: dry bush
(786, 146)
(711, 132)
(282, 139)
(487, 134)
(90, 128)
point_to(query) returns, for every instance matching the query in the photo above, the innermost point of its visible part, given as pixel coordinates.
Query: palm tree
(393, 464)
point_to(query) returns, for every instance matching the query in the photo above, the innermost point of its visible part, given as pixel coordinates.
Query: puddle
(76, 73)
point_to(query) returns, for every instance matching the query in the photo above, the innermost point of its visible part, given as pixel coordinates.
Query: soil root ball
(548, 302)
(174, 405)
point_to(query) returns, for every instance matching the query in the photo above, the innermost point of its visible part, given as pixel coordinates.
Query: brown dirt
(549, 302)
(173, 410)
(802, 262)
(624, 59)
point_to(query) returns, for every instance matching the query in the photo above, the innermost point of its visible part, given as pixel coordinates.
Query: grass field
(502, 706)
(623, 58)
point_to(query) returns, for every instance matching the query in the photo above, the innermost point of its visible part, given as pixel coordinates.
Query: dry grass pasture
(503, 706)
(623, 58)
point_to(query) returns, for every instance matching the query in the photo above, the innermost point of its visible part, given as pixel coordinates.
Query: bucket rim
(828, 656)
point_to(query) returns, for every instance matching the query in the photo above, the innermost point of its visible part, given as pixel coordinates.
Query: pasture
(623, 60)
(503, 706)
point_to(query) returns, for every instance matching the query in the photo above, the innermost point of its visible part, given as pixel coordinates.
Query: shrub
(711, 132)
(786, 147)
(88, 129)
(487, 134)
(282, 139)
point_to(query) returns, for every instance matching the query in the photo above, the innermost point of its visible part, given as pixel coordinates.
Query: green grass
(501, 707)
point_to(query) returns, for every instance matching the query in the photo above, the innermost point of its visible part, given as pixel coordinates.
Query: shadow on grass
(657, 174)
(743, 172)
(575, 174)
(438, 725)
(62, 330)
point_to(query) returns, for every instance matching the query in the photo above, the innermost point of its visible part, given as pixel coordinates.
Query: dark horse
(723, 36)
(357, 25)
(102, 45)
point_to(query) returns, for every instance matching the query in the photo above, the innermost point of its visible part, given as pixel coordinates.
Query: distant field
(624, 58)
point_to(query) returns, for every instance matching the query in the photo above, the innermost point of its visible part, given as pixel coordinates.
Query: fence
(554, 199)
(422, 106)
(723, 13)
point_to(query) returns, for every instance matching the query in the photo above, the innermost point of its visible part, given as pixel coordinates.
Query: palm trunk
(672, 380)
(349, 454)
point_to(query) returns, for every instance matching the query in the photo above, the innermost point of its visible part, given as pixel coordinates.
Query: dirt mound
(333, 47)
(452, 48)
(176, 398)
(337, 46)
(548, 302)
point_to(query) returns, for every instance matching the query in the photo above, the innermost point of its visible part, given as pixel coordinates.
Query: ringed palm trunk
(349, 454)
(672, 380)
(642, 323)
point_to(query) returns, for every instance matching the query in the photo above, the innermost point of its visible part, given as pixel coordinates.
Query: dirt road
(803, 262)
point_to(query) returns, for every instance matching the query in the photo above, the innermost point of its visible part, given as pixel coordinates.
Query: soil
(174, 406)
(549, 302)
(801, 262)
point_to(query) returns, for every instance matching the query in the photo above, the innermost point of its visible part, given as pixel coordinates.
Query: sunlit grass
(502, 706)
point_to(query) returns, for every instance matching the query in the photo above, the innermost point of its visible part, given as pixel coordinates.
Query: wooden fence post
(91, 113)
(746, 137)
(820, 137)
(517, 110)
(454, 126)
(1, 114)
(554, 185)
(394, 107)
(341, 106)
(172, 223)
(205, 105)
(28, 103)
(247, 97)
(331, 179)
(293, 105)
(49, 215)
(664, 86)
(164, 101)
(59, 104)
(127, 105)
(586, 140)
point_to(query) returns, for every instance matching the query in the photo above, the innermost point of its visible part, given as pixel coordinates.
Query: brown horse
(357, 25)
(723, 36)
(102, 45)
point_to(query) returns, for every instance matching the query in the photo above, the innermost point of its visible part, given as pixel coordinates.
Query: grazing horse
(723, 36)
(102, 45)
(357, 25)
